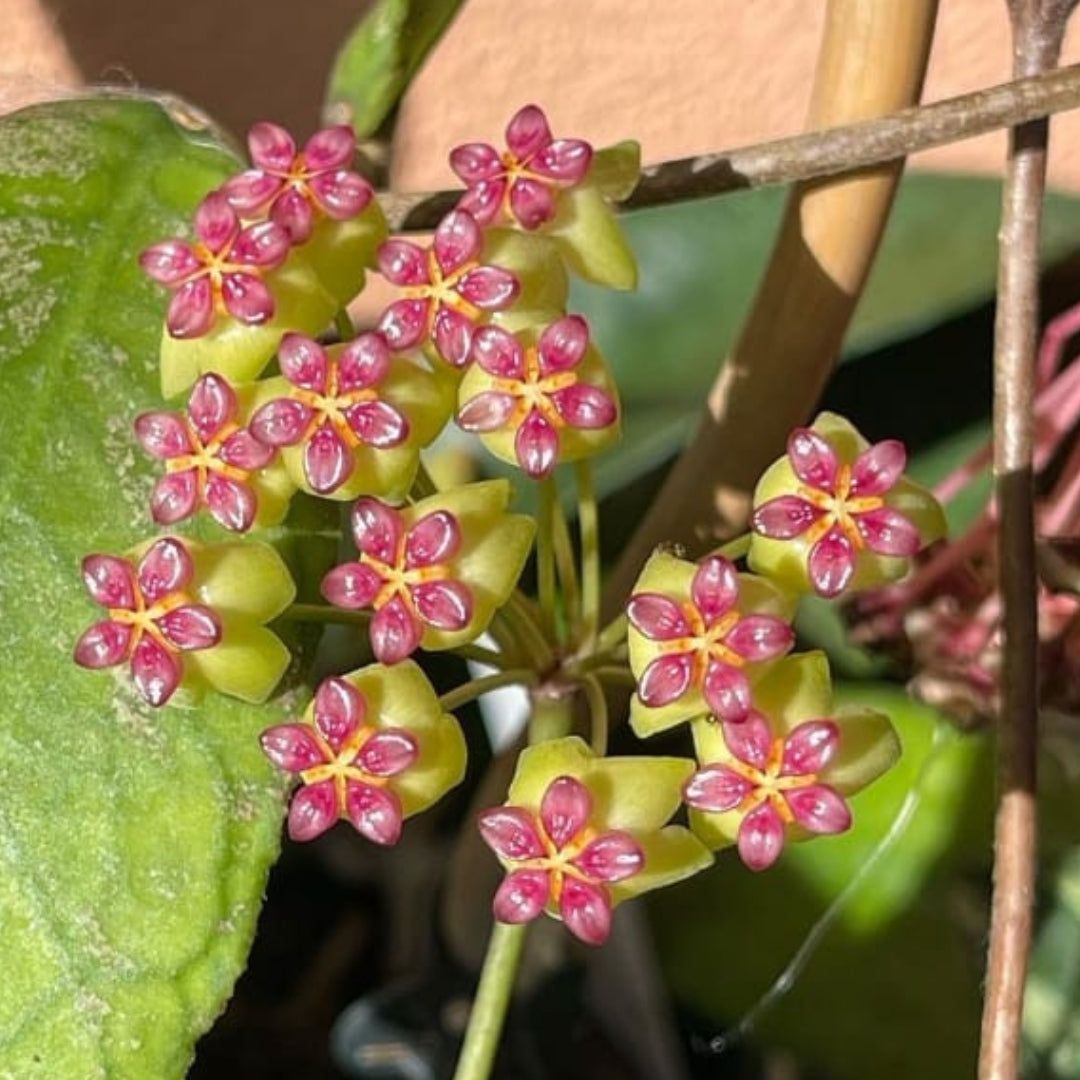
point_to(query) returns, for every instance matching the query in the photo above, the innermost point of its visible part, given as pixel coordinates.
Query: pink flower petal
(191, 310)
(760, 637)
(877, 469)
(511, 833)
(232, 504)
(612, 856)
(585, 407)
(484, 200)
(531, 203)
(785, 517)
(666, 679)
(403, 263)
(445, 605)
(352, 585)
(457, 240)
(562, 345)
(586, 910)
(498, 353)
(394, 632)
(304, 362)
(339, 710)
(888, 532)
(175, 497)
(810, 747)
(714, 588)
(656, 616)
(109, 581)
(291, 747)
(341, 195)
(521, 896)
(452, 333)
(813, 459)
(716, 789)
(328, 462)
(264, 245)
(292, 212)
(170, 262)
(363, 363)
(212, 405)
(191, 627)
(377, 529)
(156, 671)
(488, 411)
(281, 422)
(375, 812)
(103, 644)
(564, 160)
(761, 837)
(831, 564)
(216, 223)
(330, 148)
(243, 451)
(536, 445)
(434, 539)
(271, 147)
(377, 424)
(750, 740)
(819, 809)
(247, 299)
(727, 691)
(313, 810)
(565, 809)
(489, 288)
(251, 191)
(388, 752)
(474, 162)
(527, 132)
(404, 323)
(165, 568)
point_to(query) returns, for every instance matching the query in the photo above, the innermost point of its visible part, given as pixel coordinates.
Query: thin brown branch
(816, 154)
(1038, 27)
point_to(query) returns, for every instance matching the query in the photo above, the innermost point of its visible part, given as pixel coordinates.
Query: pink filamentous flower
(152, 619)
(559, 858)
(295, 189)
(523, 183)
(220, 273)
(447, 291)
(208, 458)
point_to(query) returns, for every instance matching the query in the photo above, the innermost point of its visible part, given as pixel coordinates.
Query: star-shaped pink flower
(522, 184)
(151, 618)
(447, 291)
(208, 458)
(334, 406)
(345, 764)
(560, 859)
(535, 392)
(221, 273)
(773, 783)
(839, 509)
(705, 642)
(296, 189)
(404, 574)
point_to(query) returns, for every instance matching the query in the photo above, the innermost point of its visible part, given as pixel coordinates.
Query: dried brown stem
(816, 154)
(1038, 27)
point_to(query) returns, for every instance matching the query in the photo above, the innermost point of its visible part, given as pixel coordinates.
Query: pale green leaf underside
(134, 843)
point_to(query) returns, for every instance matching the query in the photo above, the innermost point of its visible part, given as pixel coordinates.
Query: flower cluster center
(838, 508)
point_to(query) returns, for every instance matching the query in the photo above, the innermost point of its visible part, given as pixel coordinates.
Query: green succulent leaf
(134, 843)
(381, 55)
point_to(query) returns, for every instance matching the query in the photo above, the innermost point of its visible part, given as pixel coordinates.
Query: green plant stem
(545, 554)
(612, 634)
(598, 714)
(491, 1002)
(474, 688)
(479, 654)
(344, 325)
(566, 565)
(735, 549)
(590, 551)
(552, 715)
(615, 673)
(517, 612)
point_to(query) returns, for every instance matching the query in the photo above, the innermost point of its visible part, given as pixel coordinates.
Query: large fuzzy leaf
(134, 843)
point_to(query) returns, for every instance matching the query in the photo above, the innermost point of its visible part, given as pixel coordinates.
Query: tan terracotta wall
(684, 76)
